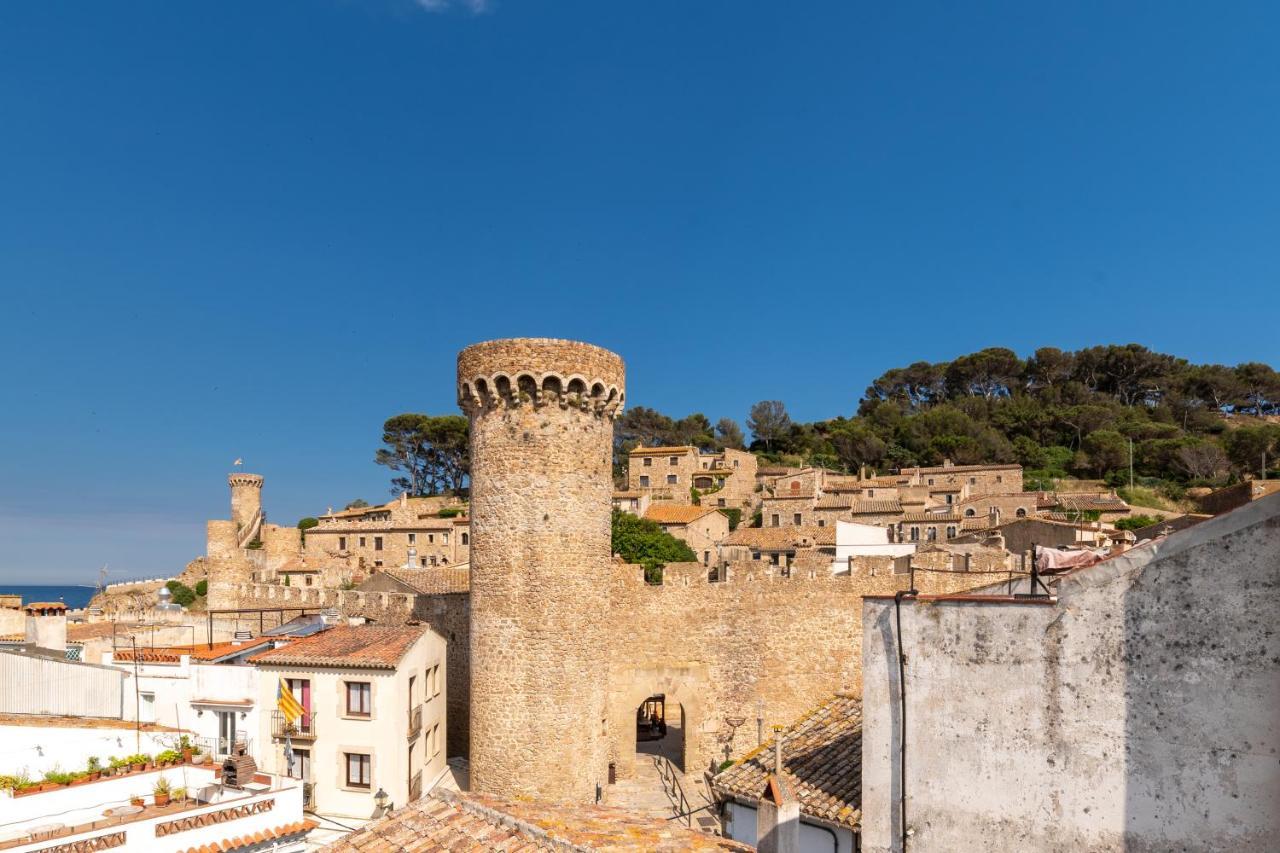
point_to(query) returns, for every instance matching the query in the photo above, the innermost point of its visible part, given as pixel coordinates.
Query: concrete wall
(38, 685)
(1137, 711)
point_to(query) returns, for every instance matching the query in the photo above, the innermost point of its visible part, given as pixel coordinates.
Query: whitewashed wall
(36, 685)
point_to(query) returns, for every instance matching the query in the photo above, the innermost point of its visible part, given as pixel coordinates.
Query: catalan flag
(286, 703)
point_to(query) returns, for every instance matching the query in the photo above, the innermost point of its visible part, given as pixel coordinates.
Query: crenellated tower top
(239, 480)
(509, 373)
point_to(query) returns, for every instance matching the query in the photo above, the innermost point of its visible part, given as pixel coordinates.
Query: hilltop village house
(671, 475)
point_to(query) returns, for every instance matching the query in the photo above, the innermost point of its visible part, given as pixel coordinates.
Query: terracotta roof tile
(931, 517)
(446, 820)
(821, 757)
(777, 538)
(877, 507)
(437, 580)
(657, 451)
(676, 513)
(360, 646)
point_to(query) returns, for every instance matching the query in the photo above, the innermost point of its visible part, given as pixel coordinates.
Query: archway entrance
(661, 729)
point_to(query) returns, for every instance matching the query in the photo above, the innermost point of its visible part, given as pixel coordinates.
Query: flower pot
(162, 799)
(135, 801)
(197, 759)
(95, 776)
(186, 755)
(137, 768)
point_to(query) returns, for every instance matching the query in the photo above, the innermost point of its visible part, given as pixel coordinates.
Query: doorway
(660, 729)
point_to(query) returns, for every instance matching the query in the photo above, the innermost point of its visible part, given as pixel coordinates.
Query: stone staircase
(649, 794)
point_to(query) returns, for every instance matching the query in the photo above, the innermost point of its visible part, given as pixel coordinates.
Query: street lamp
(382, 800)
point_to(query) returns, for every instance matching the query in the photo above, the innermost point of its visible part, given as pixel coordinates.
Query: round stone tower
(541, 415)
(246, 498)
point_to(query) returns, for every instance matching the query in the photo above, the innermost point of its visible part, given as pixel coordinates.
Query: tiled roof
(163, 655)
(977, 522)
(821, 757)
(449, 821)
(360, 646)
(669, 451)
(789, 496)
(833, 503)
(676, 513)
(930, 517)
(777, 538)
(257, 839)
(221, 650)
(433, 581)
(1102, 503)
(45, 605)
(629, 494)
(877, 507)
(950, 469)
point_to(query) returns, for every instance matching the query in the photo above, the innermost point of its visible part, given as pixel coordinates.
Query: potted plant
(161, 791)
(94, 768)
(78, 777)
(179, 794)
(116, 765)
(139, 762)
(136, 801)
(184, 744)
(197, 755)
(164, 759)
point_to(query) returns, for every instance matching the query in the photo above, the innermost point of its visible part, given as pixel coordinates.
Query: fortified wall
(759, 642)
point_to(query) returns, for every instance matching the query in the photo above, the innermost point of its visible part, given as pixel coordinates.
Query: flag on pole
(288, 705)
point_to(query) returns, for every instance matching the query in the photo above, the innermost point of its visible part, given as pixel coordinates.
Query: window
(361, 541)
(973, 481)
(999, 478)
(706, 558)
(822, 522)
(359, 696)
(444, 537)
(342, 543)
(377, 564)
(435, 739)
(871, 493)
(431, 539)
(915, 534)
(648, 462)
(359, 770)
(424, 562)
(377, 543)
(435, 680)
(970, 512)
(933, 534)
(308, 580)
(1021, 513)
(951, 532)
(644, 481)
(466, 537)
(797, 519)
(795, 485)
(735, 463)
(719, 501)
(674, 460)
(774, 520)
(949, 498)
(413, 539)
(672, 479)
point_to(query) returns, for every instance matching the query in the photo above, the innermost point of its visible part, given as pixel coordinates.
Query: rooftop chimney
(778, 814)
(46, 626)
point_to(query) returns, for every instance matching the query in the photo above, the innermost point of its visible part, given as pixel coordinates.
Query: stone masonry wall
(541, 465)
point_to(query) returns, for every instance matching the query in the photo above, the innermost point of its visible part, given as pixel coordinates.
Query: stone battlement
(248, 480)
(381, 607)
(540, 372)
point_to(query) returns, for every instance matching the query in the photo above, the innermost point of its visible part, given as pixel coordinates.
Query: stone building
(404, 533)
(701, 528)
(726, 479)
(1131, 707)
(980, 479)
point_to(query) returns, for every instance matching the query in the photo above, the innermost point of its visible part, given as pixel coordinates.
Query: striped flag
(286, 703)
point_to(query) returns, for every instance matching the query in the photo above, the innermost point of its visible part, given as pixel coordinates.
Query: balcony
(415, 721)
(302, 728)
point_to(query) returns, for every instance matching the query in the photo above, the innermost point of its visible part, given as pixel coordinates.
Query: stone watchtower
(541, 415)
(246, 499)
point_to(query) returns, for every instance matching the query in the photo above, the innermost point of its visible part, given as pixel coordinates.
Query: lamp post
(382, 800)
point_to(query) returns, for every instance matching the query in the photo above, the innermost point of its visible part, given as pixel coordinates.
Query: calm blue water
(74, 597)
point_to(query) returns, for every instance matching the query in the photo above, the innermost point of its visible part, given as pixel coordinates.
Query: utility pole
(1131, 462)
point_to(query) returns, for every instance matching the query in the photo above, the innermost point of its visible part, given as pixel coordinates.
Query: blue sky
(258, 229)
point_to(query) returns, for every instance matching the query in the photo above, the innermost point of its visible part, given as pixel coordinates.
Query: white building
(126, 812)
(209, 690)
(373, 719)
(863, 540)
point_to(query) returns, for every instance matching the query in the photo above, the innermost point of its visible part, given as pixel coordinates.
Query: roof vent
(242, 636)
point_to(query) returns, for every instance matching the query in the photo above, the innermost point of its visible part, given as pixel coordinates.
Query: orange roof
(660, 450)
(358, 646)
(676, 513)
(230, 844)
(45, 605)
(222, 650)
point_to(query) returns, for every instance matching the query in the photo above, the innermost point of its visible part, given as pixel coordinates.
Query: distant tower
(541, 479)
(246, 499)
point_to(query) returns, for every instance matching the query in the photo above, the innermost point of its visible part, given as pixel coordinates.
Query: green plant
(8, 782)
(202, 588)
(179, 793)
(1134, 522)
(93, 764)
(286, 581)
(307, 523)
(695, 496)
(346, 585)
(168, 756)
(182, 594)
(184, 742)
(115, 762)
(735, 516)
(254, 545)
(58, 776)
(161, 786)
(724, 765)
(450, 512)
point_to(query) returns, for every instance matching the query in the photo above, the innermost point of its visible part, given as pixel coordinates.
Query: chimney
(46, 626)
(947, 463)
(778, 812)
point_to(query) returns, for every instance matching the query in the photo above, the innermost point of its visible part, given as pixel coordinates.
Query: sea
(74, 597)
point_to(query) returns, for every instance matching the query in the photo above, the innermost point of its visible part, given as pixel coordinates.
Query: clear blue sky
(258, 229)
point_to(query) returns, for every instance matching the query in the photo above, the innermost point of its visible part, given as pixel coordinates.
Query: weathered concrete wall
(1138, 711)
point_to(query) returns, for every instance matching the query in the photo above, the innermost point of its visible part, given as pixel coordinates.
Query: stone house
(407, 532)
(664, 473)
(932, 526)
(1001, 507)
(788, 510)
(777, 546)
(980, 479)
(701, 528)
(373, 699)
(636, 503)
(727, 479)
